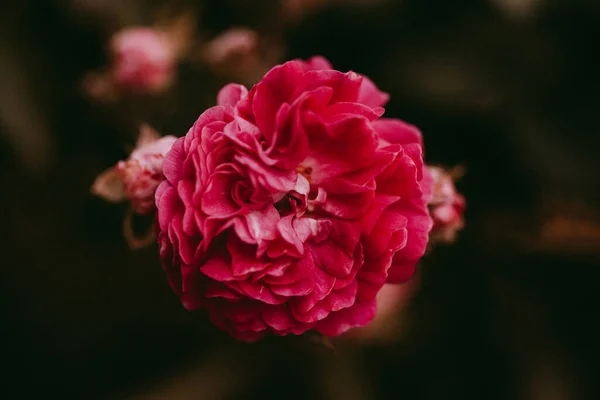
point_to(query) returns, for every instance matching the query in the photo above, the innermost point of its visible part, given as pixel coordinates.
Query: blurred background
(506, 88)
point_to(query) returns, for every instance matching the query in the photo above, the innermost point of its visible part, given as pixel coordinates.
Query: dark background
(502, 314)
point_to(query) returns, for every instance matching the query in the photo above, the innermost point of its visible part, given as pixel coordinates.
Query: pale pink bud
(446, 206)
(136, 178)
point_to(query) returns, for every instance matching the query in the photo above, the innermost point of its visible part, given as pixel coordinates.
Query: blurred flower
(446, 205)
(287, 208)
(235, 54)
(141, 60)
(136, 178)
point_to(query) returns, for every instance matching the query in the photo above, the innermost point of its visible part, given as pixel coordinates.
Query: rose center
(305, 172)
(292, 202)
(241, 193)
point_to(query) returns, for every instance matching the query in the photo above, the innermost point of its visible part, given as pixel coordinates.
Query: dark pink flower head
(446, 205)
(143, 60)
(288, 207)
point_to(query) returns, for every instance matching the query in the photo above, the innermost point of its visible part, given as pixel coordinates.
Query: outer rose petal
(396, 131)
(427, 184)
(360, 314)
(274, 89)
(281, 320)
(173, 160)
(231, 94)
(357, 142)
(371, 96)
(418, 228)
(240, 319)
(316, 63)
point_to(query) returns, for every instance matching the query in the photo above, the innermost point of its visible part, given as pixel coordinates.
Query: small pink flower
(446, 205)
(288, 207)
(136, 178)
(142, 60)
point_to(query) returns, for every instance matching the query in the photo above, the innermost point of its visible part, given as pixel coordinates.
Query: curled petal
(316, 63)
(218, 269)
(274, 89)
(231, 94)
(370, 96)
(418, 226)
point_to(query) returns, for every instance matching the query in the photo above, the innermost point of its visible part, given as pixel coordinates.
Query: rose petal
(395, 131)
(360, 314)
(231, 94)
(371, 96)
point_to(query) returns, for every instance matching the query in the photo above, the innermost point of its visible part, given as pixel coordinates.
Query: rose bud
(446, 205)
(136, 179)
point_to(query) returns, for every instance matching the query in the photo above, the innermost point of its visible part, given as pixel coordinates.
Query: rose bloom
(137, 178)
(142, 60)
(287, 208)
(447, 207)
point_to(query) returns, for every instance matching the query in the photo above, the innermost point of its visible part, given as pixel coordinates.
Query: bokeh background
(507, 88)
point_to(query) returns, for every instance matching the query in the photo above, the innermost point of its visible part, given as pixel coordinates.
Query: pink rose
(287, 208)
(446, 205)
(143, 60)
(137, 178)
